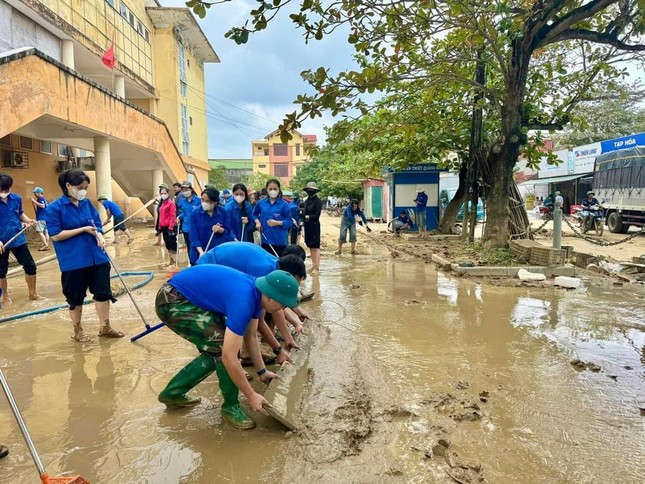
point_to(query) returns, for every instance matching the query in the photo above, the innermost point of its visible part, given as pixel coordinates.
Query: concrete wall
(18, 30)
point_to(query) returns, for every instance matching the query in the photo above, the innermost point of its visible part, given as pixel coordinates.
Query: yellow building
(273, 157)
(131, 127)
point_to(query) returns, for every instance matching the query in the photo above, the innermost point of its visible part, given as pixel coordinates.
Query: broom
(44, 477)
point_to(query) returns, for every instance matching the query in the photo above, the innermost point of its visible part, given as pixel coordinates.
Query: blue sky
(249, 92)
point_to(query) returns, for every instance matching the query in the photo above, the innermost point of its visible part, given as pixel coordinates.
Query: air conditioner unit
(16, 159)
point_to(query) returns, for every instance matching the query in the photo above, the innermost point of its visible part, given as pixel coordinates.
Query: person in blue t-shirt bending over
(422, 203)
(254, 261)
(217, 309)
(113, 210)
(77, 233)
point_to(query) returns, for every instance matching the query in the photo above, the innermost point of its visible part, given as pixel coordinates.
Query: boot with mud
(231, 411)
(174, 395)
(79, 335)
(4, 452)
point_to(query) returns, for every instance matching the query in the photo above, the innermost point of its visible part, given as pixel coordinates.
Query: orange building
(273, 157)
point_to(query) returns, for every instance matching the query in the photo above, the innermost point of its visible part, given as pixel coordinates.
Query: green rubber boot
(174, 395)
(231, 409)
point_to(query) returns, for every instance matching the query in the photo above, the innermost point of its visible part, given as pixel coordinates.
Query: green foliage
(217, 178)
(498, 257)
(257, 181)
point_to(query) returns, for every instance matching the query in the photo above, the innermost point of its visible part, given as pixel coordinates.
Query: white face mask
(78, 194)
(273, 193)
(208, 206)
(186, 193)
(239, 198)
(4, 195)
(164, 196)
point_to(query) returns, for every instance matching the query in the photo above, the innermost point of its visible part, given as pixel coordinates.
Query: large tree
(543, 57)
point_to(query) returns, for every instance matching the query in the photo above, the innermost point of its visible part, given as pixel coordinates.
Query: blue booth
(402, 187)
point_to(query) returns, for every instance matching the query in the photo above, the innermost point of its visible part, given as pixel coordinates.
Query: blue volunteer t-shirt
(40, 212)
(247, 258)
(222, 290)
(114, 209)
(10, 225)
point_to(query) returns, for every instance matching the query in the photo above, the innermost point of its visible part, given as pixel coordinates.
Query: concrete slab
(445, 264)
(284, 394)
(484, 271)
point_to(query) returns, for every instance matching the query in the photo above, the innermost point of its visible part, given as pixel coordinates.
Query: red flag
(108, 57)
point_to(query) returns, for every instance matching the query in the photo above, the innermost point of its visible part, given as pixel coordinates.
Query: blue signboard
(623, 143)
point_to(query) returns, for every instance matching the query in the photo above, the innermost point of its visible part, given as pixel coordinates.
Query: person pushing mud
(217, 319)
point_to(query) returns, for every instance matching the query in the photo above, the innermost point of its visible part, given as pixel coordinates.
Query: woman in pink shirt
(168, 222)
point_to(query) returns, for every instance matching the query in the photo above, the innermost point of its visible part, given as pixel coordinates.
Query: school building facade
(273, 157)
(130, 127)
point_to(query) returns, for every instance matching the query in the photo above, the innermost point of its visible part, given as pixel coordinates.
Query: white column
(119, 86)
(67, 53)
(157, 179)
(103, 165)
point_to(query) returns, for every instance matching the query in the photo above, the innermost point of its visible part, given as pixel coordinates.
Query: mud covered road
(414, 377)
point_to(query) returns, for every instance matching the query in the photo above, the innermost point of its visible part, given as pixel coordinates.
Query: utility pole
(476, 135)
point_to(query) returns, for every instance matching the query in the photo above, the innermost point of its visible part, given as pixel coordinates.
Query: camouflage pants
(205, 329)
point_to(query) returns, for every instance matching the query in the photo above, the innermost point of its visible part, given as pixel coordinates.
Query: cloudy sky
(249, 92)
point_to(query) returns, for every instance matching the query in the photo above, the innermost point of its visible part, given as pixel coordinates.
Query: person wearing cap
(587, 205)
(294, 208)
(40, 205)
(311, 224)
(254, 261)
(14, 221)
(402, 222)
(187, 202)
(113, 210)
(420, 210)
(348, 222)
(76, 231)
(226, 198)
(167, 222)
(217, 319)
(559, 200)
(208, 226)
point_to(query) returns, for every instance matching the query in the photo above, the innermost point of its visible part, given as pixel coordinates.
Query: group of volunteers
(257, 285)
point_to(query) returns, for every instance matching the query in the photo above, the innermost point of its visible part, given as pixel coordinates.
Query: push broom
(44, 477)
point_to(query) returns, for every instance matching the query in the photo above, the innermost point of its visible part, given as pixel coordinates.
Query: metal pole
(557, 226)
(476, 134)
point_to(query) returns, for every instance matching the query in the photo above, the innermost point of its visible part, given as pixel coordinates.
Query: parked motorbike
(546, 212)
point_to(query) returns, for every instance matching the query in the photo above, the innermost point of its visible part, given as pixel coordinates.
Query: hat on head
(590, 192)
(102, 197)
(420, 190)
(557, 193)
(164, 185)
(311, 186)
(38, 190)
(279, 286)
(226, 192)
(186, 184)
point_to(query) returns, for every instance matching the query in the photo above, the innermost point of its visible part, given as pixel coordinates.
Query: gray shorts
(41, 226)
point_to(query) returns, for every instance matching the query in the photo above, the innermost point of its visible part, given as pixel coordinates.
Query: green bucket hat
(279, 286)
(164, 185)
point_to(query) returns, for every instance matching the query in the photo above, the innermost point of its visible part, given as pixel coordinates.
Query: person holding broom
(217, 319)
(208, 225)
(76, 230)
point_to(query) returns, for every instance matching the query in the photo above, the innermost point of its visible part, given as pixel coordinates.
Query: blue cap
(38, 190)
(226, 192)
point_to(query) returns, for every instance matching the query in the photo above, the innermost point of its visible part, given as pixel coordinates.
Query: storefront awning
(554, 179)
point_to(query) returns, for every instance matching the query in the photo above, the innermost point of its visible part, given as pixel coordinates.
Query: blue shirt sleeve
(54, 219)
(96, 217)
(286, 214)
(362, 215)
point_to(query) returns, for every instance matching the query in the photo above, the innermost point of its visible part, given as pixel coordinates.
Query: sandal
(81, 337)
(130, 241)
(43, 248)
(108, 331)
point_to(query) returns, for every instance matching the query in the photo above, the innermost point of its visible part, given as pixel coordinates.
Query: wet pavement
(402, 356)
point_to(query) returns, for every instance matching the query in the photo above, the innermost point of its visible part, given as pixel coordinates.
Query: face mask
(273, 193)
(310, 192)
(239, 198)
(208, 206)
(78, 194)
(4, 195)
(164, 196)
(186, 194)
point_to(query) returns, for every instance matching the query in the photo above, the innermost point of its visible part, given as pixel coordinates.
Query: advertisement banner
(584, 157)
(625, 142)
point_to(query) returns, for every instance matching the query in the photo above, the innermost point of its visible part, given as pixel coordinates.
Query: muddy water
(398, 348)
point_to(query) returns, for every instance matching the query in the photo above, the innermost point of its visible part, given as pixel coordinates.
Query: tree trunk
(449, 217)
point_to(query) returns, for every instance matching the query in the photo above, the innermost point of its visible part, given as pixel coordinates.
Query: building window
(26, 143)
(62, 151)
(146, 35)
(262, 166)
(131, 17)
(184, 130)
(297, 149)
(110, 3)
(46, 147)
(182, 67)
(191, 120)
(280, 149)
(123, 10)
(5, 140)
(281, 170)
(183, 88)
